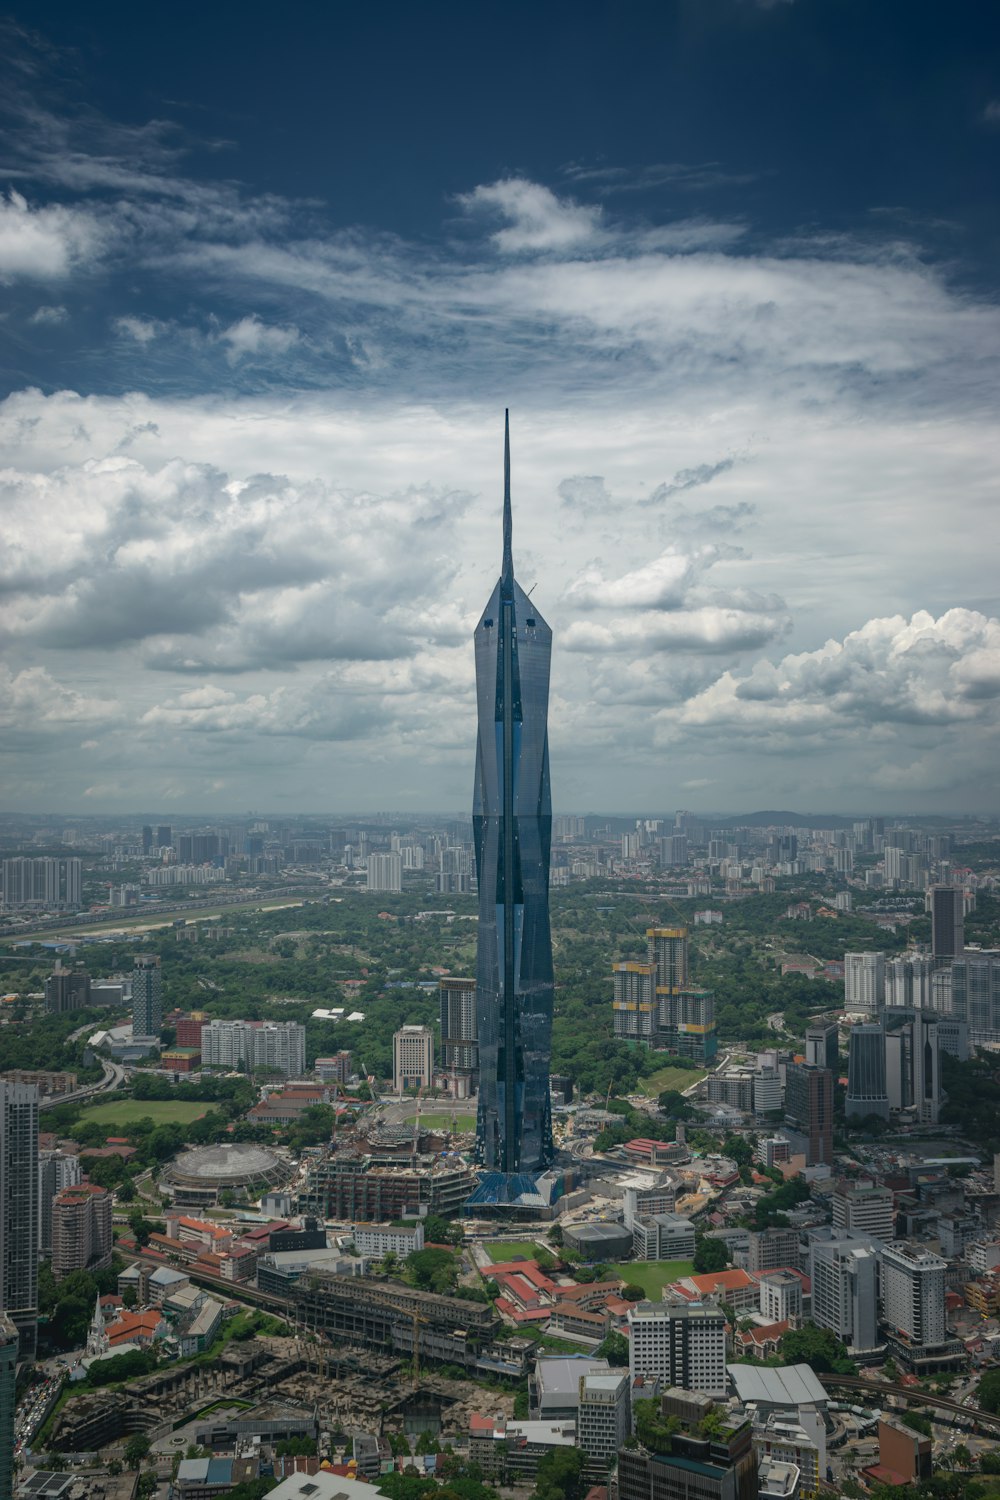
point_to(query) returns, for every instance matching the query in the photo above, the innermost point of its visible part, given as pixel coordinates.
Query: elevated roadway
(913, 1395)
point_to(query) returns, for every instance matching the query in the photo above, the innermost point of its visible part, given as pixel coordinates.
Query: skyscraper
(867, 1084)
(947, 906)
(19, 1210)
(147, 996)
(512, 831)
(809, 1102)
(8, 1404)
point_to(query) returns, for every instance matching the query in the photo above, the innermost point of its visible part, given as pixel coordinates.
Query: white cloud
(33, 703)
(44, 244)
(142, 330)
(709, 628)
(537, 220)
(48, 315)
(250, 336)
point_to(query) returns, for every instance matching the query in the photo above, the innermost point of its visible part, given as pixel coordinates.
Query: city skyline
(733, 267)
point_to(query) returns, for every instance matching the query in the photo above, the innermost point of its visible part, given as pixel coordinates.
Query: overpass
(913, 1395)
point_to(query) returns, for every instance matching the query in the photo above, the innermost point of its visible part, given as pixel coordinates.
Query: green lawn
(671, 1078)
(499, 1252)
(118, 1114)
(443, 1122)
(653, 1275)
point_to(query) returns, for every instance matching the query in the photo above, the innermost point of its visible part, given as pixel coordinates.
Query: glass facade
(512, 829)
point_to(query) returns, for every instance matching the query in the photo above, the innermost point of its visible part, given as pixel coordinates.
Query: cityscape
(499, 833)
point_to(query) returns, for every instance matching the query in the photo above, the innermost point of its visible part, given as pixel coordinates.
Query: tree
(817, 1347)
(560, 1475)
(129, 1297)
(633, 1292)
(710, 1255)
(136, 1449)
(432, 1270)
(613, 1348)
(988, 1391)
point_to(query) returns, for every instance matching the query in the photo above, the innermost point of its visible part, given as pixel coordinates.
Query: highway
(114, 1075)
(915, 1395)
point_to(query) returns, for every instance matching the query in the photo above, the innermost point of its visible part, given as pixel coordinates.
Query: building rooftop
(793, 1385)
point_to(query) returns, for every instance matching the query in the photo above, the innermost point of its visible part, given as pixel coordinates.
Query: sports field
(120, 1113)
(443, 1122)
(507, 1249)
(670, 1078)
(653, 1275)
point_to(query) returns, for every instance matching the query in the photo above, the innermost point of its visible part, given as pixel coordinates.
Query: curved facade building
(512, 828)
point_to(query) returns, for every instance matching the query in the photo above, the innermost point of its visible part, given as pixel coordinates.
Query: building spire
(507, 574)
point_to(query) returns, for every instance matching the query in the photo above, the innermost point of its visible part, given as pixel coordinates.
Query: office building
(771, 1249)
(809, 1105)
(8, 1403)
(975, 996)
(67, 989)
(823, 1047)
(908, 979)
(844, 1276)
(768, 1095)
(867, 1084)
(512, 831)
(947, 908)
(56, 1170)
(412, 1058)
(912, 1292)
(781, 1297)
(864, 981)
(733, 1087)
(634, 1004)
(277, 1046)
(700, 1462)
(147, 996)
(459, 1037)
(913, 1064)
(663, 1236)
(385, 873)
(864, 1208)
(604, 1416)
(81, 1230)
(683, 1345)
(19, 1211)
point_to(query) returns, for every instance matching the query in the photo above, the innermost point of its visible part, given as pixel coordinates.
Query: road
(114, 1076)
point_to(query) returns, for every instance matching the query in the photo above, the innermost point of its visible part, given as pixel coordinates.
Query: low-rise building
(381, 1239)
(510, 1451)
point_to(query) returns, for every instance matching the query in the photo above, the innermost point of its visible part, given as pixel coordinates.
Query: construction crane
(418, 1323)
(370, 1080)
(416, 1125)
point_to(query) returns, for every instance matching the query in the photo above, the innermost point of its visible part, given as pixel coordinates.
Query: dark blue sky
(269, 275)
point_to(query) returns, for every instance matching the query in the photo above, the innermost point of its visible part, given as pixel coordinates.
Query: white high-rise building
(277, 1045)
(908, 981)
(844, 1290)
(604, 1416)
(684, 1345)
(864, 1208)
(912, 1294)
(864, 981)
(412, 1058)
(385, 872)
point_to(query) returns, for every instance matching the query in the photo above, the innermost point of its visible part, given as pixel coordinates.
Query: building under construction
(351, 1185)
(397, 1319)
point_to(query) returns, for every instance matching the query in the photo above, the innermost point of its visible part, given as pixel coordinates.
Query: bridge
(913, 1395)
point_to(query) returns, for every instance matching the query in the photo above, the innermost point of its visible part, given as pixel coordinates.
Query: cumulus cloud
(709, 628)
(44, 244)
(688, 479)
(34, 703)
(48, 315)
(663, 583)
(249, 336)
(537, 220)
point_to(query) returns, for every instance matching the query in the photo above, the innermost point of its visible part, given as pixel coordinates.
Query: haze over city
(269, 285)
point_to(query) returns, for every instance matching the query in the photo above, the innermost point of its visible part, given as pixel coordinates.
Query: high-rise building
(947, 906)
(702, 1460)
(81, 1229)
(674, 850)
(8, 1403)
(908, 981)
(43, 882)
(412, 1058)
(279, 1046)
(864, 981)
(634, 1004)
(975, 995)
(687, 1024)
(912, 1291)
(668, 950)
(683, 1345)
(864, 1208)
(67, 989)
(147, 995)
(823, 1047)
(604, 1417)
(809, 1103)
(459, 1037)
(385, 873)
(844, 1276)
(56, 1170)
(867, 1084)
(164, 836)
(913, 1063)
(512, 831)
(147, 838)
(19, 1210)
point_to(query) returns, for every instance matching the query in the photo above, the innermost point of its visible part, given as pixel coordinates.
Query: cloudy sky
(269, 276)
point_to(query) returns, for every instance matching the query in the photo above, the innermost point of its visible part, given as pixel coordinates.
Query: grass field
(121, 1112)
(671, 1078)
(653, 1275)
(443, 1122)
(499, 1252)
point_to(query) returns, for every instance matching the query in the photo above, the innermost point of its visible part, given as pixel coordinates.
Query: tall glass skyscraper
(512, 828)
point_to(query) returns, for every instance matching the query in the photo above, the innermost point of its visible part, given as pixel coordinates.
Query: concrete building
(459, 1033)
(412, 1058)
(781, 1297)
(385, 873)
(19, 1211)
(864, 1208)
(867, 1083)
(147, 996)
(912, 1290)
(81, 1229)
(904, 1456)
(604, 1415)
(67, 989)
(823, 1047)
(975, 995)
(663, 1237)
(634, 1006)
(8, 1404)
(767, 1091)
(908, 981)
(947, 909)
(381, 1239)
(277, 1046)
(773, 1249)
(722, 1466)
(864, 981)
(684, 1345)
(844, 1277)
(56, 1170)
(554, 1386)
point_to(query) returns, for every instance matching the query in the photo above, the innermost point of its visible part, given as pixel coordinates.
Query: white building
(663, 1237)
(844, 1290)
(781, 1297)
(604, 1417)
(276, 1045)
(864, 981)
(767, 1092)
(684, 1345)
(912, 1294)
(412, 1058)
(381, 1239)
(864, 1208)
(385, 872)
